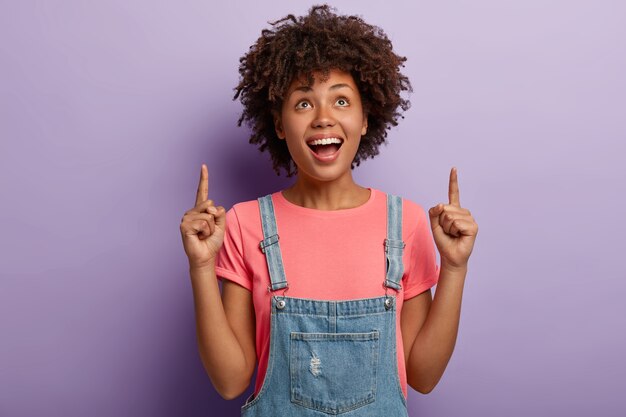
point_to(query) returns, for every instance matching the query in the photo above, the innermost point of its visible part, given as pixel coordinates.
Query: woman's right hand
(202, 227)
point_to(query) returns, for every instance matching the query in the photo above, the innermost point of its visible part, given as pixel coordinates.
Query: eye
(303, 105)
(342, 102)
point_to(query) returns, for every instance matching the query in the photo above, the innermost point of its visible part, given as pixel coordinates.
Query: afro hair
(317, 43)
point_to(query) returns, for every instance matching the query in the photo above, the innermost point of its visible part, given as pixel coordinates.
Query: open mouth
(326, 146)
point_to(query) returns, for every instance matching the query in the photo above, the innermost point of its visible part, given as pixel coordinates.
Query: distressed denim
(331, 357)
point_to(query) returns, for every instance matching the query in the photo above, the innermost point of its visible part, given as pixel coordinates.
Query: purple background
(107, 110)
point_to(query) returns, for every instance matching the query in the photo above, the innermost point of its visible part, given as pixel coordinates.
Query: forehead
(335, 77)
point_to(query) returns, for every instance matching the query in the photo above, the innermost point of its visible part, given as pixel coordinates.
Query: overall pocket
(333, 372)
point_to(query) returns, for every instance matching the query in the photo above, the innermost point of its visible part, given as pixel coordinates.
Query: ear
(278, 126)
(364, 128)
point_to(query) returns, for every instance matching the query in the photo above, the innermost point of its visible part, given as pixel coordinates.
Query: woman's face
(322, 124)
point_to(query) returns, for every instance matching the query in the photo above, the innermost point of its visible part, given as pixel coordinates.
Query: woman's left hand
(454, 228)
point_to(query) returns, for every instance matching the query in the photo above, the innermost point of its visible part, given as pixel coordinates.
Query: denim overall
(331, 357)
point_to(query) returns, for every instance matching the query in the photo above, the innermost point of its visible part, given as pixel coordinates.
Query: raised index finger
(453, 188)
(203, 187)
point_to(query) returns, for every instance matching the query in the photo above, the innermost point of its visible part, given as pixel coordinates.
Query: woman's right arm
(225, 331)
(224, 325)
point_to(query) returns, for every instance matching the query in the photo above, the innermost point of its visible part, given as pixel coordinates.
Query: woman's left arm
(430, 327)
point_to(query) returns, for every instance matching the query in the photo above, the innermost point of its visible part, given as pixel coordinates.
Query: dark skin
(226, 323)
(268, 68)
(429, 328)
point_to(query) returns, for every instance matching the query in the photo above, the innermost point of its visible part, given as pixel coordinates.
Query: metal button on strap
(280, 304)
(387, 303)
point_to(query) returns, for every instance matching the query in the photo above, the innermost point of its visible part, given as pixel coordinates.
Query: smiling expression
(322, 125)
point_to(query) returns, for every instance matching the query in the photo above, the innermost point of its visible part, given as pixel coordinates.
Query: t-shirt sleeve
(230, 259)
(423, 271)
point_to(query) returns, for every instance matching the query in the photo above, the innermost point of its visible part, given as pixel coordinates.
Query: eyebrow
(306, 88)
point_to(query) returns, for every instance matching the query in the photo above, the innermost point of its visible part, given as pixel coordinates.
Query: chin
(328, 175)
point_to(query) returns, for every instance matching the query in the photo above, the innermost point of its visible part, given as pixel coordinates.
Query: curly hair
(317, 43)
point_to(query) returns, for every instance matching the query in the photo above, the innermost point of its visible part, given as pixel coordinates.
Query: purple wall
(107, 110)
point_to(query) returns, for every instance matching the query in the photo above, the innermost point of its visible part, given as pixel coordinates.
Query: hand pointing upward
(454, 228)
(202, 227)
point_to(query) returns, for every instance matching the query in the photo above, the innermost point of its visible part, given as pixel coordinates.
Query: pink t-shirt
(327, 255)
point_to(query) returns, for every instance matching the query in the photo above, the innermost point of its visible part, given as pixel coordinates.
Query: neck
(341, 194)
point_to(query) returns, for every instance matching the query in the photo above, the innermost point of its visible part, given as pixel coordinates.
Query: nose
(323, 118)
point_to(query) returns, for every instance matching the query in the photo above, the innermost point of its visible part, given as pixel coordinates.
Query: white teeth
(325, 141)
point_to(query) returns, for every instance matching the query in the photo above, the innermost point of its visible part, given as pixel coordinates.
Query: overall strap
(270, 246)
(394, 246)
